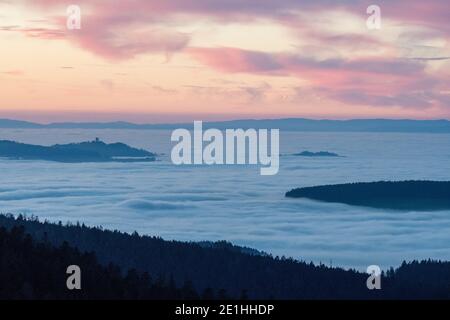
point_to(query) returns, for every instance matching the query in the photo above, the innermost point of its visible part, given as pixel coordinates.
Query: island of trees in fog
(316, 154)
(90, 151)
(399, 195)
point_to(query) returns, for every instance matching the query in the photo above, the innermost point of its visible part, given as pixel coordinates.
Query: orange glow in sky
(174, 60)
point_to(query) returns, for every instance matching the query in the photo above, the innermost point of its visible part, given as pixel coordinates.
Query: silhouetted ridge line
(288, 124)
(229, 272)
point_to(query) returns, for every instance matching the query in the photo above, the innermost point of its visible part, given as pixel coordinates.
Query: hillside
(37, 270)
(398, 195)
(235, 273)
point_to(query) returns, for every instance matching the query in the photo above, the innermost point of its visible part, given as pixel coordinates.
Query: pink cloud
(433, 12)
(124, 29)
(114, 31)
(236, 60)
(364, 81)
(122, 41)
(119, 30)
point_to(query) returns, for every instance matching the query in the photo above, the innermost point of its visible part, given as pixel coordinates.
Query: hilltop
(90, 151)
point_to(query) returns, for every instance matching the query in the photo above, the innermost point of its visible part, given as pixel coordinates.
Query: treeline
(37, 270)
(400, 195)
(215, 271)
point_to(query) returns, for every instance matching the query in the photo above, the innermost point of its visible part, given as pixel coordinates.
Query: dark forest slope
(225, 267)
(33, 270)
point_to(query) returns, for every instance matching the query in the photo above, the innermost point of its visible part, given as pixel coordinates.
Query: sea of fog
(236, 203)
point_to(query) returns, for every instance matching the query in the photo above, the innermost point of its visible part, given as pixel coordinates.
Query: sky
(179, 60)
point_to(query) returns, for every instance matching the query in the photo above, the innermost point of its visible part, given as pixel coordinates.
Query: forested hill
(89, 151)
(37, 270)
(397, 195)
(234, 273)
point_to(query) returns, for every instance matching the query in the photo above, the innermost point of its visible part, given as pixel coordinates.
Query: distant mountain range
(288, 124)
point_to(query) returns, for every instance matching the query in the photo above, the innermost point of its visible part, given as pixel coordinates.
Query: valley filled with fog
(236, 203)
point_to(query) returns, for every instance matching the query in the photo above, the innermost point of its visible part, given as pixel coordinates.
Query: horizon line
(218, 120)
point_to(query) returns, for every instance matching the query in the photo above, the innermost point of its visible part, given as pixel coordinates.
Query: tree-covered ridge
(90, 151)
(37, 270)
(399, 195)
(223, 271)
